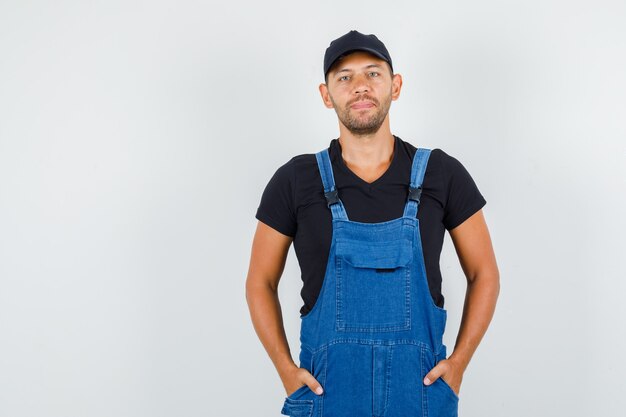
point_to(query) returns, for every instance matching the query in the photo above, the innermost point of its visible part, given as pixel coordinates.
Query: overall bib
(374, 331)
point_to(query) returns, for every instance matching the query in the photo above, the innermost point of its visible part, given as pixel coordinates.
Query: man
(367, 217)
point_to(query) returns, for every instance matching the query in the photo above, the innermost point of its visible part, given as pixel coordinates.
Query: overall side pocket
(299, 403)
(440, 398)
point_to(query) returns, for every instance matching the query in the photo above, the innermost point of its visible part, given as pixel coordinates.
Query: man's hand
(298, 377)
(452, 371)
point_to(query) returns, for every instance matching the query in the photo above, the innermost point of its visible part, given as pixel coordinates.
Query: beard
(357, 122)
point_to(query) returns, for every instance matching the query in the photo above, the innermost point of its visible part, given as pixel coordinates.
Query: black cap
(355, 41)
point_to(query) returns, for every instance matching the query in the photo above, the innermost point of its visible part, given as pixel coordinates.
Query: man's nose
(361, 84)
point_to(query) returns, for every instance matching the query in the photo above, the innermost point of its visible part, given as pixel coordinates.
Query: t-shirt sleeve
(276, 208)
(464, 198)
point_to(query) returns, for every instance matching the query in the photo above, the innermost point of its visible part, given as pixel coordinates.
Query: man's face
(360, 88)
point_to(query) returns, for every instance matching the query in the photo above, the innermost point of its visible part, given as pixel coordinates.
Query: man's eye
(374, 74)
(343, 78)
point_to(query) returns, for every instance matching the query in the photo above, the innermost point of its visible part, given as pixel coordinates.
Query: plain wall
(136, 139)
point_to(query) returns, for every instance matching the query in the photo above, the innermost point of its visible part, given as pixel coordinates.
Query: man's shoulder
(410, 149)
(295, 169)
(299, 162)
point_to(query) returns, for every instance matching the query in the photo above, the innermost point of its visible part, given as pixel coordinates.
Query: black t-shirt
(293, 203)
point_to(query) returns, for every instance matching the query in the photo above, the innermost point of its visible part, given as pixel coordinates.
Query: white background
(136, 139)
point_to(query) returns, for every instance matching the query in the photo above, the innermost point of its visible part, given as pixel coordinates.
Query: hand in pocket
(452, 372)
(300, 377)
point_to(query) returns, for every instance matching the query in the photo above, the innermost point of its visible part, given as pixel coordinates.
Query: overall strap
(330, 192)
(420, 160)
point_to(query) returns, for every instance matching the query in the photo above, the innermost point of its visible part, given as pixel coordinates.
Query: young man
(367, 217)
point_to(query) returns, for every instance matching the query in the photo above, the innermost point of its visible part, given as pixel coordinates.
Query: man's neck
(367, 156)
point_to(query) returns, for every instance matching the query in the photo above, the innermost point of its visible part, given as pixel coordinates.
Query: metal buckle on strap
(332, 197)
(415, 193)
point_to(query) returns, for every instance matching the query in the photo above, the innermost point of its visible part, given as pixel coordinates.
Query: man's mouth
(362, 105)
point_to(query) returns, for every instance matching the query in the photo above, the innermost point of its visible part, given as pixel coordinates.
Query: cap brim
(347, 51)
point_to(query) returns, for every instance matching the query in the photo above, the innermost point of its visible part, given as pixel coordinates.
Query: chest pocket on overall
(373, 285)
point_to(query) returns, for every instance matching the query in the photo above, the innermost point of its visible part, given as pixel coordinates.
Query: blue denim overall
(374, 331)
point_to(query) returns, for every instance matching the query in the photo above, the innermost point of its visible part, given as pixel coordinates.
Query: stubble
(357, 122)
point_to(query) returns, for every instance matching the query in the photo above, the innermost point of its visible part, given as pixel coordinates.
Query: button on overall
(374, 331)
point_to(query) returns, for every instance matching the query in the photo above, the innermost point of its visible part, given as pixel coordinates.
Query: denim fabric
(374, 331)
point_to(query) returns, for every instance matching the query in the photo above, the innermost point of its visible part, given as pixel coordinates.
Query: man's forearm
(478, 309)
(267, 319)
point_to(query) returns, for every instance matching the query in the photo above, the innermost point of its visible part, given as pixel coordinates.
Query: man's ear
(396, 86)
(325, 96)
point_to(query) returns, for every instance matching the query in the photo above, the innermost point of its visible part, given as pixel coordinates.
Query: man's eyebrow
(365, 67)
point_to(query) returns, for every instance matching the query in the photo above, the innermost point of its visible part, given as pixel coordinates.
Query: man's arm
(267, 262)
(473, 246)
